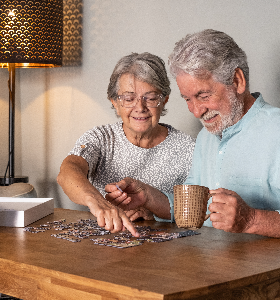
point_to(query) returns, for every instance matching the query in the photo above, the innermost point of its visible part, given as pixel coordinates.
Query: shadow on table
(7, 297)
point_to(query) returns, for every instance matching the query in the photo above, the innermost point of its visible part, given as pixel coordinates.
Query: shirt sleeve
(88, 146)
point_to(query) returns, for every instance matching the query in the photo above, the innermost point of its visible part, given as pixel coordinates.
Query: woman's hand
(109, 216)
(73, 180)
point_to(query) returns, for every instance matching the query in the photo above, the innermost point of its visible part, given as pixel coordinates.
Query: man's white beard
(236, 113)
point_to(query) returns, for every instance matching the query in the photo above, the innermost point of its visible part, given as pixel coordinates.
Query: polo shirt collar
(237, 127)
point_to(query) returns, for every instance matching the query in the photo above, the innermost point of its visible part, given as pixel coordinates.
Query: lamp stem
(11, 165)
(12, 70)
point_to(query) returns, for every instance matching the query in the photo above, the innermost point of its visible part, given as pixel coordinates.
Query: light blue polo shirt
(245, 160)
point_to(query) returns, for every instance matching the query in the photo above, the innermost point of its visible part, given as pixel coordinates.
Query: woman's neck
(148, 139)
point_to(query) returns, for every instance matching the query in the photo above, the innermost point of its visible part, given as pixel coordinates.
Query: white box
(20, 212)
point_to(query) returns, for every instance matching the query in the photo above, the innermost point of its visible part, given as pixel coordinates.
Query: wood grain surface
(212, 265)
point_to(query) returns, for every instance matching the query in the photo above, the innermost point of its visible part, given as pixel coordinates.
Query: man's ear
(165, 100)
(239, 81)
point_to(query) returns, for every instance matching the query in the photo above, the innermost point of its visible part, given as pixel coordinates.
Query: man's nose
(197, 108)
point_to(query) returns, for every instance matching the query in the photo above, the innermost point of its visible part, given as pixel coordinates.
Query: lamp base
(18, 190)
(11, 180)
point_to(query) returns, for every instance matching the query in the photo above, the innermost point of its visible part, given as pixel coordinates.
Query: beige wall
(55, 106)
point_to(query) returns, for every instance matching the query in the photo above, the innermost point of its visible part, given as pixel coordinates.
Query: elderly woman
(138, 146)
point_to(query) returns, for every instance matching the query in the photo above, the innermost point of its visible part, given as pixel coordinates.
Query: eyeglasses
(130, 100)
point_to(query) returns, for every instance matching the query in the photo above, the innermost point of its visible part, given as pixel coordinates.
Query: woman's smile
(141, 118)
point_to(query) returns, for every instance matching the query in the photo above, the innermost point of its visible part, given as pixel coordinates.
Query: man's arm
(138, 194)
(74, 182)
(266, 223)
(229, 212)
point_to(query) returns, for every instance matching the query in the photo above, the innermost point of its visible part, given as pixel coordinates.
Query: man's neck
(249, 100)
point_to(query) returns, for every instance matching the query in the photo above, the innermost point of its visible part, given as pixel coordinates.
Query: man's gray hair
(209, 52)
(145, 67)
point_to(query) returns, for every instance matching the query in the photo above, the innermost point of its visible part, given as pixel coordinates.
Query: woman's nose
(140, 104)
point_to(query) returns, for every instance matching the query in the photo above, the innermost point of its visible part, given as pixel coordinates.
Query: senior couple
(236, 153)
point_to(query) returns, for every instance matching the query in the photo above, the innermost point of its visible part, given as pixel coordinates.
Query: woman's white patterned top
(111, 157)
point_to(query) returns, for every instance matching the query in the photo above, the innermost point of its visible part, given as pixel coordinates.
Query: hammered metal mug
(190, 205)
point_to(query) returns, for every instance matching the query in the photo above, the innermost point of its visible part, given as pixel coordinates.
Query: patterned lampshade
(31, 33)
(31, 36)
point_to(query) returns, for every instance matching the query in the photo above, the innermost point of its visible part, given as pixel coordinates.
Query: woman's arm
(75, 184)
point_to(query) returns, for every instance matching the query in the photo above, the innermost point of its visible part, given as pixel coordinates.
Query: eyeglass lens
(152, 100)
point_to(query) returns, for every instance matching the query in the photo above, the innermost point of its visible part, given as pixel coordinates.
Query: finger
(127, 204)
(121, 185)
(128, 225)
(219, 197)
(114, 186)
(113, 220)
(109, 218)
(222, 191)
(119, 188)
(121, 200)
(110, 187)
(217, 191)
(117, 225)
(216, 217)
(215, 207)
(135, 216)
(126, 201)
(114, 195)
(129, 213)
(102, 222)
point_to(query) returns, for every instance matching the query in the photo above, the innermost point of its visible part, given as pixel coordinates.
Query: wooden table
(212, 265)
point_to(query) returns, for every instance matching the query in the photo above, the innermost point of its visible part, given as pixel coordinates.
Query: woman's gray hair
(145, 67)
(209, 52)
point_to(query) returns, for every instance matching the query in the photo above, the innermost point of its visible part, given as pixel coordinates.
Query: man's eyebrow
(198, 93)
(202, 92)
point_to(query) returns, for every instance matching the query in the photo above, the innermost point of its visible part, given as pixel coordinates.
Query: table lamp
(31, 36)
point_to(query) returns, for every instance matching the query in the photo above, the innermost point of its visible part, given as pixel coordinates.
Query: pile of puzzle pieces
(88, 228)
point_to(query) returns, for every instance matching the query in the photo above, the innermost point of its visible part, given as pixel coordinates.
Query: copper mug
(190, 205)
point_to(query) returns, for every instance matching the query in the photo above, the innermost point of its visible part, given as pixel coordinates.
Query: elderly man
(236, 153)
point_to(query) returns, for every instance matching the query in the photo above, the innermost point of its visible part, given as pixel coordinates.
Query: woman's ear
(239, 81)
(115, 104)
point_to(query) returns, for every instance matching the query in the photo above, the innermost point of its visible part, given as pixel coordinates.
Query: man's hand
(141, 212)
(131, 188)
(137, 194)
(230, 212)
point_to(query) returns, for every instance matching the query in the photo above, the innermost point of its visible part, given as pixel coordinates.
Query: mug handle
(209, 196)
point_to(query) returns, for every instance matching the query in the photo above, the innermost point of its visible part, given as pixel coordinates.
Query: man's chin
(212, 129)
